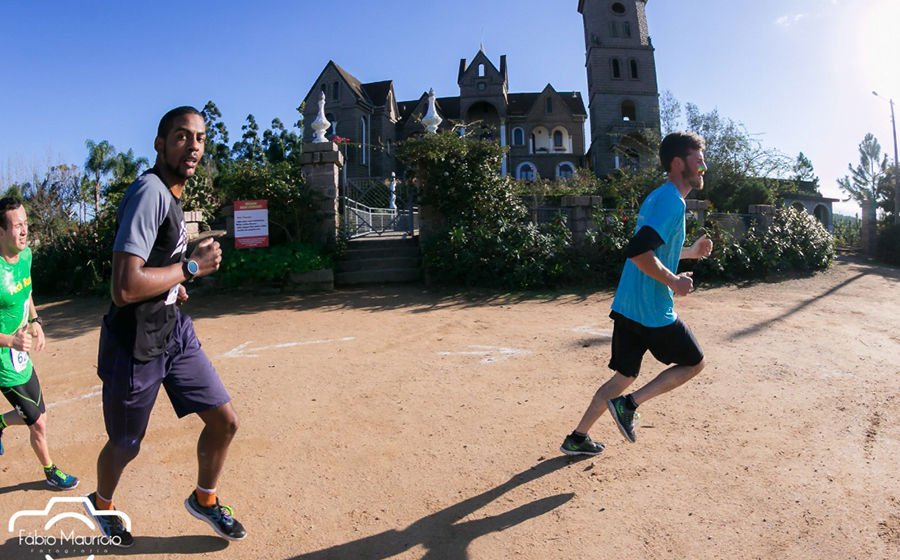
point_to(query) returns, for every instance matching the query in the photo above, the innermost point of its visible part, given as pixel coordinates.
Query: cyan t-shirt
(639, 297)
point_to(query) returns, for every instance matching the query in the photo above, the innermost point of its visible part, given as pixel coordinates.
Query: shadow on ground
(69, 318)
(444, 534)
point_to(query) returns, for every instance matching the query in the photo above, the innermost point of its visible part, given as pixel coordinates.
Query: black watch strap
(37, 320)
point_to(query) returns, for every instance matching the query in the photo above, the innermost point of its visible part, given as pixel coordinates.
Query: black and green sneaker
(626, 417)
(110, 523)
(220, 518)
(587, 447)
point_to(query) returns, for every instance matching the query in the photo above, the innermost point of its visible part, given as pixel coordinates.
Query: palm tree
(126, 167)
(100, 161)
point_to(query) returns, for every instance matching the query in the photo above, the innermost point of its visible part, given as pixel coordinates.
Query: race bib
(19, 360)
(173, 295)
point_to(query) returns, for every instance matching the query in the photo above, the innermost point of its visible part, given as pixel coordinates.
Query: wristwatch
(191, 268)
(37, 320)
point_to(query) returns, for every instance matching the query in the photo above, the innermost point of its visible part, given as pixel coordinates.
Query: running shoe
(59, 479)
(110, 523)
(220, 518)
(626, 417)
(586, 447)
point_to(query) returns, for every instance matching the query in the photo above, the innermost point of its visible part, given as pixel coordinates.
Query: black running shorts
(672, 344)
(26, 399)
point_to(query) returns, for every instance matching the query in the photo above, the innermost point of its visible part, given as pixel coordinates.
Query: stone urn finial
(321, 124)
(431, 119)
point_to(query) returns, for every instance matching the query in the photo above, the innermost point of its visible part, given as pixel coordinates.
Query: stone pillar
(581, 213)
(698, 207)
(322, 163)
(869, 234)
(766, 213)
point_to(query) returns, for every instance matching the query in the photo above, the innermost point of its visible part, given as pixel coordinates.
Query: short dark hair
(679, 145)
(6, 204)
(165, 123)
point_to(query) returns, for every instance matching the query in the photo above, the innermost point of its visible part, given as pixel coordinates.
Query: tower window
(336, 91)
(613, 29)
(618, 8)
(549, 105)
(634, 70)
(617, 73)
(481, 70)
(628, 111)
(626, 29)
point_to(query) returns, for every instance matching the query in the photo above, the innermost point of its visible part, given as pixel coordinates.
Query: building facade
(544, 130)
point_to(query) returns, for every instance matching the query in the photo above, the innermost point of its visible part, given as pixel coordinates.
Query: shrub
(78, 261)
(270, 264)
(889, 244)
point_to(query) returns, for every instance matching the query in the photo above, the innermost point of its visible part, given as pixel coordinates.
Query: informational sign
(251, 224)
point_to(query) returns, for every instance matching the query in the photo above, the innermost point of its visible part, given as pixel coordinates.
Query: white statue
(321, 124)
(431, 119)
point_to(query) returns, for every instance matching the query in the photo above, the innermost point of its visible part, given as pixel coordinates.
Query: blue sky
(799, 73)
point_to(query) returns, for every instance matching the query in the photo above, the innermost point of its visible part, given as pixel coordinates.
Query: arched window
(558, 139)
(629, 113)
(525, 172)
(565, 170)
(325, 89)
(613, 29)
(336, 91)
(634, 72)
(626, 29)
(362, 140)
(481, 70)
(549, 105)
(617, 73)
(332, 129)
(518, 138)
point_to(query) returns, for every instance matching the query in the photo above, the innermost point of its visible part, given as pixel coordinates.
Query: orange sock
(102, 503)
(206, 498)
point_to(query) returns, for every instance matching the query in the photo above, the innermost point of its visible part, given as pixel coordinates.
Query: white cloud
(788, 20)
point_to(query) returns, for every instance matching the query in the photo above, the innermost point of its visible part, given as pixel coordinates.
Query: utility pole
(896, 165)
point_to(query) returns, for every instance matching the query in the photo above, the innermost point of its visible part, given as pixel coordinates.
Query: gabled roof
(447, 107)
(378, 91)
(521, 103)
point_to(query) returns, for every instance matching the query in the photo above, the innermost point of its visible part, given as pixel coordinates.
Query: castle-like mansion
(543, 130)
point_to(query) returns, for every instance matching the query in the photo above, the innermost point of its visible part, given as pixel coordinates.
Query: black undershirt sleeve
(646, 239)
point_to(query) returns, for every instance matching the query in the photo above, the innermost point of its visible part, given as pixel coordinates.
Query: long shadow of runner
(441, 535)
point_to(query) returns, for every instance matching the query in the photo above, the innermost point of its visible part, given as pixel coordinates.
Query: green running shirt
(15, 289)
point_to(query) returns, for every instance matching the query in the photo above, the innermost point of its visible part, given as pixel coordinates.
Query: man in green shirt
(20, 332)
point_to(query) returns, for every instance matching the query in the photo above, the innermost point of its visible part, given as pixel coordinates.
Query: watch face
(193, 267)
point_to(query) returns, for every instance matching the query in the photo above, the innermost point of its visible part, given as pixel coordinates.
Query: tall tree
(100, 161)
(804, 171)
(862, 184)
(249, 148)
(669, 112)
(127, 167)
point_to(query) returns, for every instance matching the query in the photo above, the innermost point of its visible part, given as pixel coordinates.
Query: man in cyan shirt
(643, 308)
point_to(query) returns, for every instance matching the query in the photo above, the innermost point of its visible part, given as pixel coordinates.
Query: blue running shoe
(59, 479)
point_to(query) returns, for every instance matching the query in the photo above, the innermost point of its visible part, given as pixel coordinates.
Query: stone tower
(623, 95)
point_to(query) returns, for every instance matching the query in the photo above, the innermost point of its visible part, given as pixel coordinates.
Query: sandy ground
(395, 422)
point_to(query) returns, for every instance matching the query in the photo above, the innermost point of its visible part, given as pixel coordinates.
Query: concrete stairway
(379, 260)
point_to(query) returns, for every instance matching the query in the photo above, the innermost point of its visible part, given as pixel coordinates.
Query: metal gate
(377, 205)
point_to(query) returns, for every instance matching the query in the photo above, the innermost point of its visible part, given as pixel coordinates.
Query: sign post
(251, 224)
